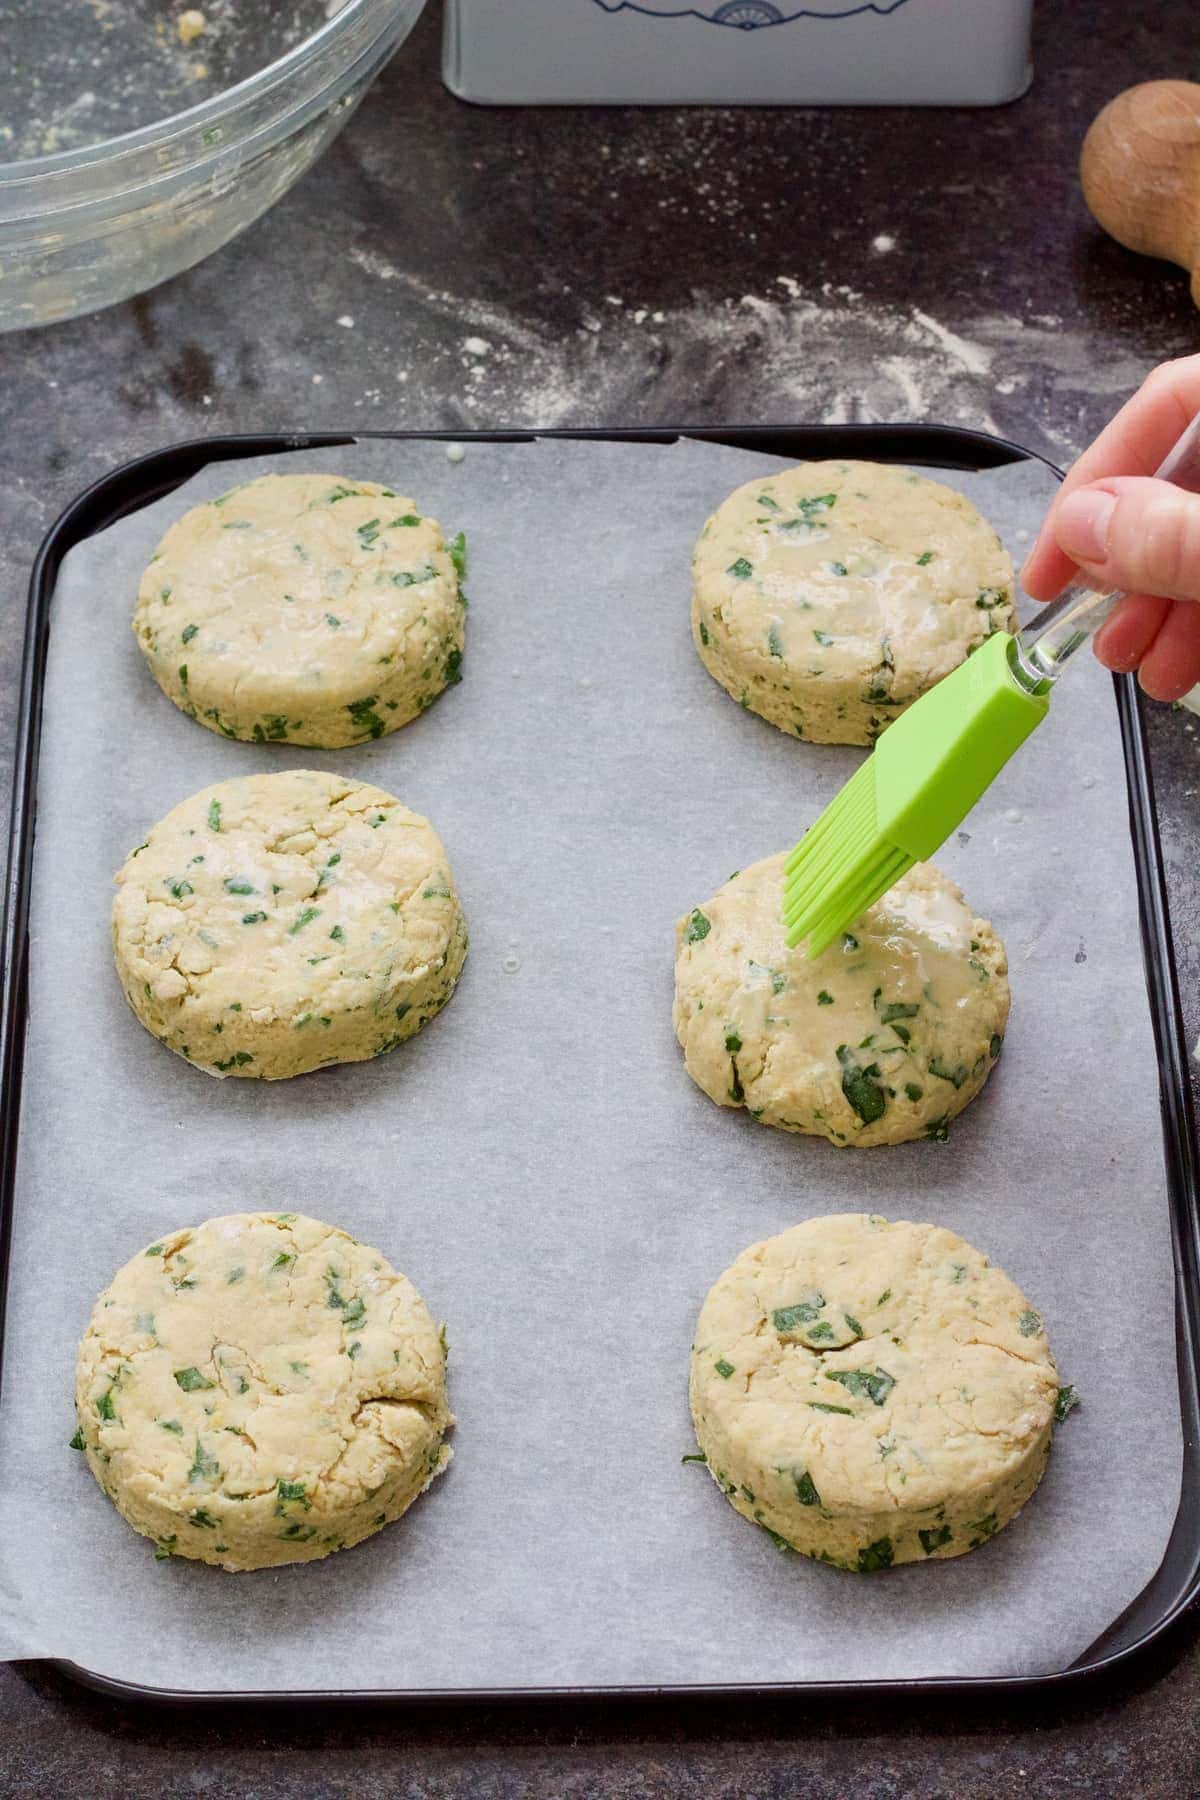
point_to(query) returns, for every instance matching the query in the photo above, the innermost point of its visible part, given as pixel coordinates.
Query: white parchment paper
(540, 1164)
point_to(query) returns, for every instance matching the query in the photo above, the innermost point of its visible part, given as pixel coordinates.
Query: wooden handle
(1141, 172)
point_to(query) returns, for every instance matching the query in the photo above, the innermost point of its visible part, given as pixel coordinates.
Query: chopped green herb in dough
(898, 1009)
(364, 718)
(191, 1379)
(270, 730)
(806, 1492)
(802, 1312)
(861, 1085)
(205, 1466)
(869, 1384)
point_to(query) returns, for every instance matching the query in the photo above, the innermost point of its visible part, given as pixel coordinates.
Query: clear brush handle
(1040, 651)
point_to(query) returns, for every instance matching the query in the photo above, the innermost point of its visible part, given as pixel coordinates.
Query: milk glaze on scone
(306, 609)
(261, 1389)
(884, 1037)
(279, 923)
(872, 1393)
(831, 596)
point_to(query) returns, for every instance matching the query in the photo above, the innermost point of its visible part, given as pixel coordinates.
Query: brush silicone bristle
(840, 867)
(919, 782)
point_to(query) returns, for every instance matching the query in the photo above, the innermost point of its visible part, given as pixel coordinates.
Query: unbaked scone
(304, 609)
(829, 597)
(261, 1389)
(872, 1393)
(884, 1037)
(278, 923)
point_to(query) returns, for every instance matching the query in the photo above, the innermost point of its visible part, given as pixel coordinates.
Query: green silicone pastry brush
(936, 760)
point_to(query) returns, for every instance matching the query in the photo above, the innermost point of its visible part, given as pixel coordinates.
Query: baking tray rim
(1175, 1586)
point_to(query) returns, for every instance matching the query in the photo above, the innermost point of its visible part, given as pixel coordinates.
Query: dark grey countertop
(453, 267)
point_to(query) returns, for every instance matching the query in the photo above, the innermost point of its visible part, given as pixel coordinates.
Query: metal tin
(748, 52)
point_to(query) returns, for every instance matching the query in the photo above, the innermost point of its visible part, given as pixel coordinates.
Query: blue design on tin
(753, 15)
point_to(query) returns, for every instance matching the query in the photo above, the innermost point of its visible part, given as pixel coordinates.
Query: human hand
(1119, 528)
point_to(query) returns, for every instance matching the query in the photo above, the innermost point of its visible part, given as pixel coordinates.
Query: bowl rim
(205, 112)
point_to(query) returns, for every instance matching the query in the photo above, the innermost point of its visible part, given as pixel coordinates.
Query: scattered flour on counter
(904, 372)
(498, 324)
(974, 359)
(824, 353)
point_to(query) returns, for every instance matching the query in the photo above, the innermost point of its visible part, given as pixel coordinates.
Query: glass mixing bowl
(88, 217)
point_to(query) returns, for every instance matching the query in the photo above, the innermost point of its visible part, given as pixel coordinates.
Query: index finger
(1135, 442)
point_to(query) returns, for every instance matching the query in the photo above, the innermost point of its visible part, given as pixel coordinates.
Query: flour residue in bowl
(77, 72)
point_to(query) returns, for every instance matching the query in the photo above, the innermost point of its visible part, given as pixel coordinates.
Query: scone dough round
(279, 923)
(303, 608)
(261, 1389)
(831, 596)
(884, 1037)
(872, 1393)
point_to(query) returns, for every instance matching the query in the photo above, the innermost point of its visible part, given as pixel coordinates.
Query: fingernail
(1082, 522)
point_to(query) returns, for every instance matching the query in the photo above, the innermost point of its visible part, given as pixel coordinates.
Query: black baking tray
(1120, 1650)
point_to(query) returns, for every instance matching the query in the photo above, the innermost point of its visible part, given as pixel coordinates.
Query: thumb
(1134, 533)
